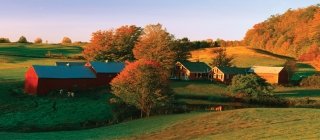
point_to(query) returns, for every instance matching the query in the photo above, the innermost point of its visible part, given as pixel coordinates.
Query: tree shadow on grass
(272, 54)
(300, 93)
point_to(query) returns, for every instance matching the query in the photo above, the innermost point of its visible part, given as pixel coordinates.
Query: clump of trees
(221, 58)
(38, 40)
(22, 39)
(113, 45)
(291, 33)
(144, 85)
(250, 85)
(66, 40)
(4, 40)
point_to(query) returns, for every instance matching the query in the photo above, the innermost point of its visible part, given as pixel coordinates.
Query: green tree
(113, 45)
(66, 40)
(182, 49)
(4, 40)
(144, 85)
(250, 85)
(22, 39)
(221, 58)
(156, 44)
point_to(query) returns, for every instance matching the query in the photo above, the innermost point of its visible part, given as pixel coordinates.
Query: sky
(196, 19)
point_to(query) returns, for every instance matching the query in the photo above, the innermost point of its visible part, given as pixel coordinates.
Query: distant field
(243, 56)
(262, 123)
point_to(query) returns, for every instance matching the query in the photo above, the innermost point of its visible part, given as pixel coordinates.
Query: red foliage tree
(142, 84)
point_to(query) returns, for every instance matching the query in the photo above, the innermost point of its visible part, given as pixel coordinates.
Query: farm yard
(89, 109)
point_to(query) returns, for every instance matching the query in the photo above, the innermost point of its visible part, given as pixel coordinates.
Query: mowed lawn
(243, 56)
(253, 123)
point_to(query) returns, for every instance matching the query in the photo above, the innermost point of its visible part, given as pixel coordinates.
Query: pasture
(243, 56)
(20, 112)
(260, 123)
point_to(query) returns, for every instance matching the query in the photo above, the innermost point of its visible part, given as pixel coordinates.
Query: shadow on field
(300, 93)
(272, 54)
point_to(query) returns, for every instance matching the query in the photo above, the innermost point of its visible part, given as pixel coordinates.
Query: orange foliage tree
(66, 40)
(156, 44)
(144, 85)
(291, 33)
(113, 45)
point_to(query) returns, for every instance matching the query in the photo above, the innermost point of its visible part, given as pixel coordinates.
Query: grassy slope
(264, 123)
(243, 57)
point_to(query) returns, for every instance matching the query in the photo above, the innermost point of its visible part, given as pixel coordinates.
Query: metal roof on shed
(62, 72)
(107, 67)
(265, 69)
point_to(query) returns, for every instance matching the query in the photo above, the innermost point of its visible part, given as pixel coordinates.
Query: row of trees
(23, 39)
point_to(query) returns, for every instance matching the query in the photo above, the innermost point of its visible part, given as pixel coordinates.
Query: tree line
(38, 40)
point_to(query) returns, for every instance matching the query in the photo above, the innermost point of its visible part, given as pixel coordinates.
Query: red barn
(105, 71)
(43, 79)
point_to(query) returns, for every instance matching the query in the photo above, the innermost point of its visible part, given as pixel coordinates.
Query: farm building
(43, 79)
(225, 74)
(273, 75)
(186, 70)
(105, 72)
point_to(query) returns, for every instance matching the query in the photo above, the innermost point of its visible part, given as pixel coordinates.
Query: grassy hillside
(243, 57)
(264, 123)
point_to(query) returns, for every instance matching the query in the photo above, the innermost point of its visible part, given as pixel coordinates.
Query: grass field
(262, 123)
(20, 112)
(243, 57)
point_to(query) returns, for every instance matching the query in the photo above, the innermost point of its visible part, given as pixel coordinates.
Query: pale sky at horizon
(196, 19)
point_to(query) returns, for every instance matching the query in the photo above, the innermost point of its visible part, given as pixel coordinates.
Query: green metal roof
(61, 72)
(233, 70)
(196, 66)
(107, 67)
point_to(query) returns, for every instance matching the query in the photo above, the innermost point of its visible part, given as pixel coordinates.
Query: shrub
(22, 39)
(4, 40)
(250, 85)
(311, 81)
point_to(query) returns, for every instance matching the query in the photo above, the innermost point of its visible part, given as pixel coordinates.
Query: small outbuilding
(186, 70)
(272, 75)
